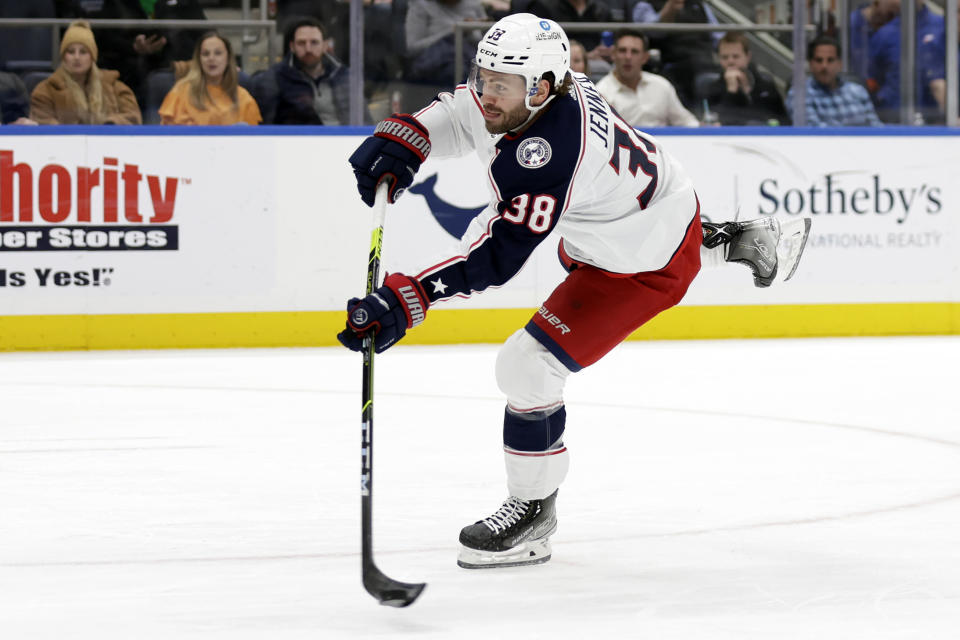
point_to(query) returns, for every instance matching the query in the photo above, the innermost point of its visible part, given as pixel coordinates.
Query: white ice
(730, 489)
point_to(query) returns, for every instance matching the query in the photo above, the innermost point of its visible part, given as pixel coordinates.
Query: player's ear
(543, 90)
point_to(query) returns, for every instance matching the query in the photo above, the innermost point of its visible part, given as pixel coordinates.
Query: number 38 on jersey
(536, 212)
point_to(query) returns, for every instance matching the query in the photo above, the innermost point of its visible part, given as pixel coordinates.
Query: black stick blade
(387, 591)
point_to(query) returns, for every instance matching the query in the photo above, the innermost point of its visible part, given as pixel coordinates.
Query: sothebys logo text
(860, 195)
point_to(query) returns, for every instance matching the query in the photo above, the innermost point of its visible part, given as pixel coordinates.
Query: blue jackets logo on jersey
(533, 153)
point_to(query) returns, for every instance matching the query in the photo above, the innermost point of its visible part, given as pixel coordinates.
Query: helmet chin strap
(533, 111)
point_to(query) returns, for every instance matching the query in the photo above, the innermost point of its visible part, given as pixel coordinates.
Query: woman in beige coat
(79, 92)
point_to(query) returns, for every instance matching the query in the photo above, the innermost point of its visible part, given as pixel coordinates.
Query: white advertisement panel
(221, 223)
(153, 224)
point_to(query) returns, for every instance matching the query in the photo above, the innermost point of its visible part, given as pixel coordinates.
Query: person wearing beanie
(79, 92)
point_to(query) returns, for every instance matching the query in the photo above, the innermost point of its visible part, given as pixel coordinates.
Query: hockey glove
(387, 313)
(394, 152)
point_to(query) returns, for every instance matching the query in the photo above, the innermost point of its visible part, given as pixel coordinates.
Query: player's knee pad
(535, 456)
(531, 377)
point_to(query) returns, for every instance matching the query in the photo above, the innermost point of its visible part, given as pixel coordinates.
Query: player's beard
(509, 120)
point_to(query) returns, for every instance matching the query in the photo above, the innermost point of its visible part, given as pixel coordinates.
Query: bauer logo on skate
(35, 196)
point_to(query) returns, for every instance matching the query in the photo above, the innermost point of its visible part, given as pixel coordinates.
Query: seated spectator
(883, 65)
(383, 25)
(744, 95)
(209, 93)
(864, 22)
(932, 59)
(136, 52)
(568, 11)
(79, 92)
(832, 101)
(643, 99)
(430, 38)
(578, 58)
(312, 87)
(334, 15)
(683, 55)
(14, 102)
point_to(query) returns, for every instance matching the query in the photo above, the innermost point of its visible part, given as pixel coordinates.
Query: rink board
(154, 237)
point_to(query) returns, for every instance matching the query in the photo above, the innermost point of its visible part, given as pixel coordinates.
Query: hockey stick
(386, 590)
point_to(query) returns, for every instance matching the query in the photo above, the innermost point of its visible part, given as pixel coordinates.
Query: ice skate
(767, 246)
(517, 534)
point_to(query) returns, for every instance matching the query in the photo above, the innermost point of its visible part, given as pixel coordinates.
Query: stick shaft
(366, 447)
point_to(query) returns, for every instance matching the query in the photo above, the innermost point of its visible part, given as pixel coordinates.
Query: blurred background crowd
(77, 71)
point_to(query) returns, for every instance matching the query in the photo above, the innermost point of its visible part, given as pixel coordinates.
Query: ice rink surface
(730, 489)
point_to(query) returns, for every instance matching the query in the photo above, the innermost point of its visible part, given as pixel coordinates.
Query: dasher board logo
(52, 208)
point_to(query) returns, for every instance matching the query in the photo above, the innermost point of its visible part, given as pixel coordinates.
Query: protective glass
(496, 84)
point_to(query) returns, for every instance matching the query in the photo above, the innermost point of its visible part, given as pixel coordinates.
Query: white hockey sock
(535, 475)
(713, 257)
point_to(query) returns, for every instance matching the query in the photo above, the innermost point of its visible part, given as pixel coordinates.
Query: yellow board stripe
(453, 326)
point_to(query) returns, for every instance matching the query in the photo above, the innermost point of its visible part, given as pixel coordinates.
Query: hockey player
(560, 160)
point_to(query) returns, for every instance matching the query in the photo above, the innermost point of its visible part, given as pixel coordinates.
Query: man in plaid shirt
(831, 100)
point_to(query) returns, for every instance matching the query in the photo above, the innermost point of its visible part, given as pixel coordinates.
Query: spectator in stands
(312, 87)
(383, 27)
(832, 101)
(744, 95)
(643, 99)
(430, 39)
(209, 93)
(136, 52)
(578, 57)
(334, 15)
(683, 55)
(864, 21)
(79, 92)
(883, 65)
(571, 11)
(14, 102)
(932, 59)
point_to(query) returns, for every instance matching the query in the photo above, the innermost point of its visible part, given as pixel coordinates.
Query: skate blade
(793, 240)
(535, 552)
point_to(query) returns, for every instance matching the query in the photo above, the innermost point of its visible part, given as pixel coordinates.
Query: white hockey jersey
(617, 199)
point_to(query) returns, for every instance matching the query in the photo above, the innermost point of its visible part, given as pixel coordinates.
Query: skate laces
(507, 515)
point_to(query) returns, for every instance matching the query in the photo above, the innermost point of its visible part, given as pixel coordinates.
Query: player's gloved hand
(388, 312)
(394, 152)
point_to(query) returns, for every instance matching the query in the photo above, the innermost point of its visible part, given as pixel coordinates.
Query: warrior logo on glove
(409, 136)
(394, 153)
